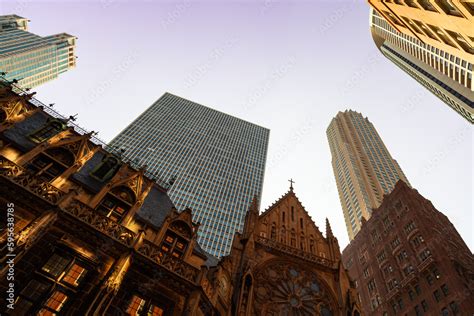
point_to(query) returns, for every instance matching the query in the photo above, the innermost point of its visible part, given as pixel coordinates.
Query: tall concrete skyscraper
(217, 162)
(446, 73)
(32, 59)
(362, 165)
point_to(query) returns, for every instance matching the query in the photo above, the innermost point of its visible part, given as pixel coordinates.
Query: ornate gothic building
(94, 234)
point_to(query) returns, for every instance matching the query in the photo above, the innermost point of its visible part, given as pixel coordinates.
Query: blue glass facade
(32, 59)
(218, 161)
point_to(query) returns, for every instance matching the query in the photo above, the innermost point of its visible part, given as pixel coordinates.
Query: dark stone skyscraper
(217, 162)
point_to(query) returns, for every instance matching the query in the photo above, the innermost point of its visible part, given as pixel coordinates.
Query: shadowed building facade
(95, 235)
(31, 59)
(362, 165)
(446, 75)
(217, 162)
(408, 259)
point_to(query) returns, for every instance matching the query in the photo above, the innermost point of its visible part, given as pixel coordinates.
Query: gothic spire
(328, 229)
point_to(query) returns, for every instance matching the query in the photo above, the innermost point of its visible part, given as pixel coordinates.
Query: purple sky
(286, 65)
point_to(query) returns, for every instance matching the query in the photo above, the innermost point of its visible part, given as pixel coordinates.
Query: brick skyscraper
(408, 259)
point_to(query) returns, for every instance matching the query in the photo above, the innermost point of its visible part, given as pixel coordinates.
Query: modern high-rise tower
(32, 59)
(446, 73)
(442, 24)
(217, 162)
(363, 167)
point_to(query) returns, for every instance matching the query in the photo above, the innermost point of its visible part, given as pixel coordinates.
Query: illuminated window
(136, 305)
(54, 304)
(141, 307)
(74, 275)
(173, 245)
(117, 203)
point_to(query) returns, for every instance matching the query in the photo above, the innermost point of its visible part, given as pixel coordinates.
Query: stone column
(31, 234)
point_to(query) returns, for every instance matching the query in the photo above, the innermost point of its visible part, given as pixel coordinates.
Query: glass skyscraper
(362, 165)
(217, 162)
(32, 59)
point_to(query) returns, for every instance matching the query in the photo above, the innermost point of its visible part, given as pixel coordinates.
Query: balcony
(295, 252)
(407, 280)
(425, 264)
(21, 177)
(170, 263)
(393, 292)
(100, 222)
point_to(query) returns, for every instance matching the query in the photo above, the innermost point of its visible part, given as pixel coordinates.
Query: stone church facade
(96, 235)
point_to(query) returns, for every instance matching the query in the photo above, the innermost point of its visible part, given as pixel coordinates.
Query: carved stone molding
(283, 288)
(272, 244)
(178, 266)
(30, 182)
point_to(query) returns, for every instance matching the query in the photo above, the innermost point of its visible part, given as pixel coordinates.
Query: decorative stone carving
(22, 177)
(178, 266)
(102, 223)
(283, 288)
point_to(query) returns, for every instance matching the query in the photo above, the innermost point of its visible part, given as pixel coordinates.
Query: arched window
(302, 245)
(293, 238)
(283, 234)
(273, 231)
(283, 217)
(51, 128)
(292, 214)
(51, 163)
(106, 169)
(173, 245)
(117, 203)
(311, 244)
(301, 223)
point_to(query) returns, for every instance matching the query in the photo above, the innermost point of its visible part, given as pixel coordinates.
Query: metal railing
(120, 154)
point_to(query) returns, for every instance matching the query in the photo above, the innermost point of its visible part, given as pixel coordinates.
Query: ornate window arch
(117, 203)
(246, 294)
(293, 238)
(273, 232)
(283, 234)
(106, 169)
(51, 163)
(51, 128)
(302, 242)
(312, 248)
(176, 240)
(288, 288)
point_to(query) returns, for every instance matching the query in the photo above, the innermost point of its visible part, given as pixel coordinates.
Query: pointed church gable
(287, 222)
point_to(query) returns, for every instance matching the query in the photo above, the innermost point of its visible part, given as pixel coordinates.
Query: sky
(289, 66)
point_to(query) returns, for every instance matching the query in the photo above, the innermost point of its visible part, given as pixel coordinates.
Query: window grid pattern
(217, 160)
(362, 165)
(32, 59)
